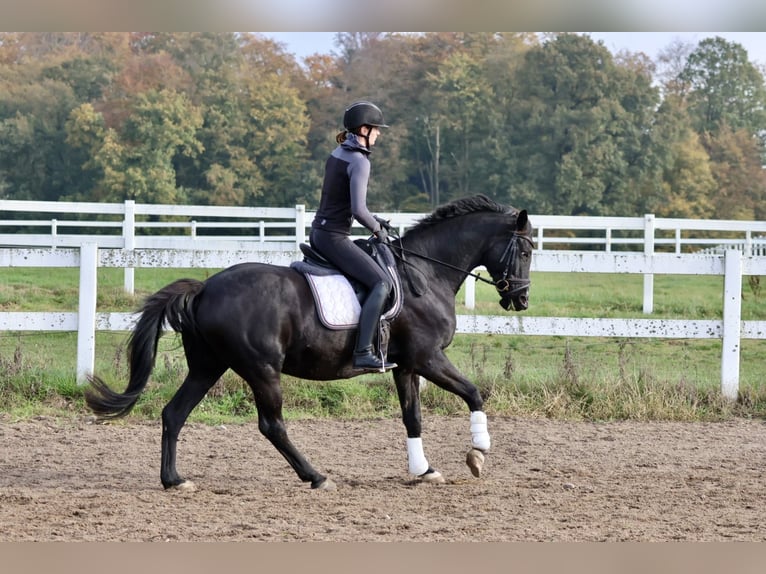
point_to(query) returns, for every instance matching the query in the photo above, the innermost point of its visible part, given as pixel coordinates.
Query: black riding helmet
(361, 114)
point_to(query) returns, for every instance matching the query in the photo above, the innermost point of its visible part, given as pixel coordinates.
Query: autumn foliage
(555, 123)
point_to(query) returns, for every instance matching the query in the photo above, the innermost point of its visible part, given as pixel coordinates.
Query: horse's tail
(171, 304)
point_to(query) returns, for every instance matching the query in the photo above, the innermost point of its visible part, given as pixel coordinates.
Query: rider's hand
(382, 235)
(384, 223)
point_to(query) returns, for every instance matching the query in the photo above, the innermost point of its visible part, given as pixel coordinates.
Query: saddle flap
(315, 265)
(336, 303)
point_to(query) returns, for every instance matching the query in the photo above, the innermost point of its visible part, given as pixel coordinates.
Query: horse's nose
(521, 303)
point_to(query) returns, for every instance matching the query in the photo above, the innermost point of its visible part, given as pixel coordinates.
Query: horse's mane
(463, 206)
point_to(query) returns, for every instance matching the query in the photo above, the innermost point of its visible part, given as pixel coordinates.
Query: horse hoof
(326, 484)
(185, 486)
(475, 461)
(433, 477)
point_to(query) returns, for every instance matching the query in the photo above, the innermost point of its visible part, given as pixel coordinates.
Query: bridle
(507, 285)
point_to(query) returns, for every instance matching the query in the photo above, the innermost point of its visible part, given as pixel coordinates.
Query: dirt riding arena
(544, 481)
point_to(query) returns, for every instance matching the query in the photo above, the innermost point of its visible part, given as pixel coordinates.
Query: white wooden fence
(130, 225)
(273, 235)
(730, 329)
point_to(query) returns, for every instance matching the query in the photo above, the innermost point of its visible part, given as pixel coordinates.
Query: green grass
(558, 377)
(56, 289)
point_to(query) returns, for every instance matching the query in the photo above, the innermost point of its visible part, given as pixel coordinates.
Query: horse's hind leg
(268, 399)
(197, 383)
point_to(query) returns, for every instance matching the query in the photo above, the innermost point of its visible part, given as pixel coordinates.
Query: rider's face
(372, 135)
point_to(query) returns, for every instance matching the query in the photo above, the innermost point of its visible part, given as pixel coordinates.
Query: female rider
(344, 198)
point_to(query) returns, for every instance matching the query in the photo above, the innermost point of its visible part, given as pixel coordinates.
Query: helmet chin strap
(366, 138)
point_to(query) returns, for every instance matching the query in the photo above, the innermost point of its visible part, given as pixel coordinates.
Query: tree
(671, 62)
(34, 162)
(560, 126)
(688, 183)
(87, 133)
(87, 76)
(740, 178)
(43, 77)
(10, 48)
(464, 119)
(276, 140)
(137, 162)
(580, 129)
(685, 183)
(724, 88)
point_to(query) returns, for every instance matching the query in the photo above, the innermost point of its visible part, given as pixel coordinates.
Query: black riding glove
(382, 235)
(384, 223)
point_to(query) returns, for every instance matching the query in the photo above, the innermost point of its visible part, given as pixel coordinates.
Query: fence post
(732, 315)
(129, 242)
(86, 315)
(470, 292)
(300, 226)
(648, 250)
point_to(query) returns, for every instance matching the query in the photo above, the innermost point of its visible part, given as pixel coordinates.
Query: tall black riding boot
(364, 359)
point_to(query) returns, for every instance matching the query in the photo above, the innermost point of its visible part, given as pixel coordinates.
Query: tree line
(554, 123)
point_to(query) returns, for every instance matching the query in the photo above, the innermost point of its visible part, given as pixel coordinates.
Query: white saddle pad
(336, 302)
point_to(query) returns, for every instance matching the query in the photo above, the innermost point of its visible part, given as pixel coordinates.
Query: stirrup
(366, 361)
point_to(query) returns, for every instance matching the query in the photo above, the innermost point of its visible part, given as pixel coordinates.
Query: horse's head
(509, 263)
(491, 235)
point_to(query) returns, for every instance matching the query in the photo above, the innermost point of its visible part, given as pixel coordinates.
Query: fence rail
(131, 225)
(730, 329)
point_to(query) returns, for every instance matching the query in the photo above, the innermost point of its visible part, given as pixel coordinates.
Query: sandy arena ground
(544, 481)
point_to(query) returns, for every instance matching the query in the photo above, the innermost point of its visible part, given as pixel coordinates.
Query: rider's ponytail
(341, 137)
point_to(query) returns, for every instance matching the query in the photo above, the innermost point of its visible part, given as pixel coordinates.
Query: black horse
(260, 321)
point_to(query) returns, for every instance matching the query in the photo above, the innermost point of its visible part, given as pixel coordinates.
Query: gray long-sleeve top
(344, 191)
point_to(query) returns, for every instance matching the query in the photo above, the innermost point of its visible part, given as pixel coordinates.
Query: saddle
(339, 298)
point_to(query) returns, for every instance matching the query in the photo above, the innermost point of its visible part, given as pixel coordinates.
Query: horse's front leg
(408, 389)
(480, 443)
(440, 371)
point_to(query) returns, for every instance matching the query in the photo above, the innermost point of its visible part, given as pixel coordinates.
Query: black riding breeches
(351, 259)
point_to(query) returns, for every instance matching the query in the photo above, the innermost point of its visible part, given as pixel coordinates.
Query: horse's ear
(521, 220)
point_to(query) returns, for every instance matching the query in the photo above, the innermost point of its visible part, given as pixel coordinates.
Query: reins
(501, 285)
(401, 248)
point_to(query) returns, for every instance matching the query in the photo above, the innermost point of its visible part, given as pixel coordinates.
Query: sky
(303, 44)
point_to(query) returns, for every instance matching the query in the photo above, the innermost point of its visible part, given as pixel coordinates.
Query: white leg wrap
(479, 434)
(417, 460)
